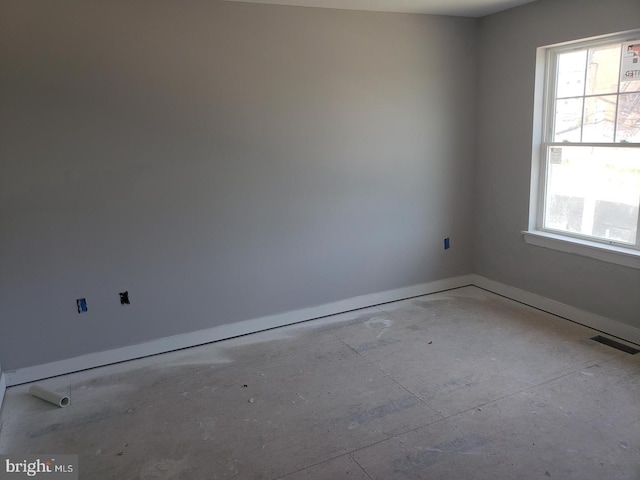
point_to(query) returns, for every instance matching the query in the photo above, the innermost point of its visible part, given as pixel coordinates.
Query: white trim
(192, 339)
(176, 342)
(591, 320)
(606, 253)
(593, 144)
(544, 108)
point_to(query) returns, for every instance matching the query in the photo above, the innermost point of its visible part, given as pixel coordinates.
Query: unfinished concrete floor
(457, 385)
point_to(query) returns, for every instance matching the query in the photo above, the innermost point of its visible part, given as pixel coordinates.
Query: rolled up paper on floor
(50, 396)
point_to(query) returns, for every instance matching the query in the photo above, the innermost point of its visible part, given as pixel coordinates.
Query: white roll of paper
(48, 395)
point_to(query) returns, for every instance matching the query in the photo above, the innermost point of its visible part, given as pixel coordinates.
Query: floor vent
(614, 344)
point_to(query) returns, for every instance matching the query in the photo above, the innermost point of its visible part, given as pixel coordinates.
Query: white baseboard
(588, 319)
(177, 342)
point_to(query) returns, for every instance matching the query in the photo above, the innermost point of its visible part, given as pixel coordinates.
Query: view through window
(592, 141)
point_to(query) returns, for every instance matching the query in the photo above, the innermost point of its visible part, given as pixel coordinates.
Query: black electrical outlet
(124, 298)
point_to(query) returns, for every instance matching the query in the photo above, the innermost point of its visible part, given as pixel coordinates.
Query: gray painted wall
(507, 51)
(2, 388)
(222, 162)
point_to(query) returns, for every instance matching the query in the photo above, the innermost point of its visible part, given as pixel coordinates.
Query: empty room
(320, 239)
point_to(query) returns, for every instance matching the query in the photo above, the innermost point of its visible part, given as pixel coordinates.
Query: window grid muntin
(549, 120)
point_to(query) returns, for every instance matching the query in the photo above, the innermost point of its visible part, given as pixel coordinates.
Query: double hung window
(589, 182)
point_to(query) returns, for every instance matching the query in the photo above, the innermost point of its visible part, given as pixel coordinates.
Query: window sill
(606, 253)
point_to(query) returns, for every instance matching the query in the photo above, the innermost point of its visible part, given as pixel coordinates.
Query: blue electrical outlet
(446, 243)
(82, 305)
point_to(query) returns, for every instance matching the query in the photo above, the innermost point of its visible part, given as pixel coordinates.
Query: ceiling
(463, 8)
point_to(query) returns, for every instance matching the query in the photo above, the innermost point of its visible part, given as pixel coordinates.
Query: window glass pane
(630, 86)
(629, 118)
(568, 120)
(599, 119)
(571, 69)
(630, 68)
(603, 70)
(593, 191)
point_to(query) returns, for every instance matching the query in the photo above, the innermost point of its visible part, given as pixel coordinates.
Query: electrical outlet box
(124, 298)
(447, 245)
(81, 303)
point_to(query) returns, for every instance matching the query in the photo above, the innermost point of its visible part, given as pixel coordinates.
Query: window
(589, 157)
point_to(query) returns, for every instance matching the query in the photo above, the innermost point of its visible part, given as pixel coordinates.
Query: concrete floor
(458, 385)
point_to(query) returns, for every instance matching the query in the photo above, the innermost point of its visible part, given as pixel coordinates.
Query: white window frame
(536, 234)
